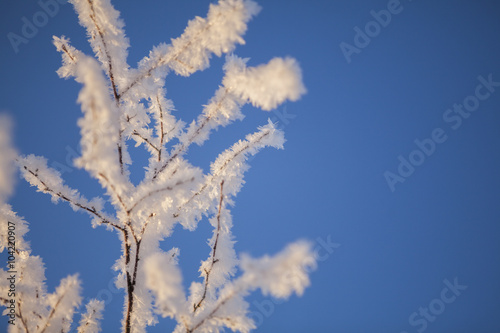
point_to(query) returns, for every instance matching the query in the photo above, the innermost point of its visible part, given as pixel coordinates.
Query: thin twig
(162, 134)
(147, 141)
(184, 146)
(52, 312)
(167, 59)
(91, 210)
(20, 316)
(214, 261)
(210, 315)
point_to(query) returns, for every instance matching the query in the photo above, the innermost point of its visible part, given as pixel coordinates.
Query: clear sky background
(396, 246)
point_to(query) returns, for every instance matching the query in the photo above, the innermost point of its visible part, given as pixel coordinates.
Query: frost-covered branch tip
(90, 321)
(107, 38)
(265, 86)
(279, 276)
(218, 33)
(70, 57)
(229, 166)
(283, 274)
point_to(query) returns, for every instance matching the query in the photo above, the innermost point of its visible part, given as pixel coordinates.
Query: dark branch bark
(147, 141)
(106, 51)
(132, 279)
(166, 59)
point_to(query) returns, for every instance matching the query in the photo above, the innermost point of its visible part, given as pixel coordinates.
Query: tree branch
(106, 51)
(146, 140)
(20, 316)
(214, 261)
(114, 191)
(162, 133)
(212, 313)
(217, 172)
(52, 312)
(183, 147)
(111, 76)
(167, 188)
(91, 210)
(166, 59)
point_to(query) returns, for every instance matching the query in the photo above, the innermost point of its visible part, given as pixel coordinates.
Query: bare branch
(105, 51)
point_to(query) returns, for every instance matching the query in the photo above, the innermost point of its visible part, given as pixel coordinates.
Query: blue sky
(402, 254)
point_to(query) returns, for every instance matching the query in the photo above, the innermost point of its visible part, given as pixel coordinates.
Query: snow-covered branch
(229, 166)
(90, 322)
(220, 265)
(35, 171)
(107, 38)
(102, 153)
(218, 33)
(70, 57)
(280, 276)
(265, 86)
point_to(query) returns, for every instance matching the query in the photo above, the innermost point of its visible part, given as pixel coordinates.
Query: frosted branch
(160, 190)
(230, 165)
(279, 276)
(62, 303)
(100, 129)
(213, 260)
(265, 86)
(36, 172)
(107, 38)
(90, 320)
(120, 105)
(70, 57)
(221, 110)
(218, 33)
